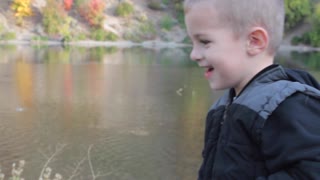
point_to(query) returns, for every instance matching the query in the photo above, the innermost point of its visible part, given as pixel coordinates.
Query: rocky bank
(32, 26)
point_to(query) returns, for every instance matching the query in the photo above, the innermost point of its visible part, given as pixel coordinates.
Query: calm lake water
(127, 114)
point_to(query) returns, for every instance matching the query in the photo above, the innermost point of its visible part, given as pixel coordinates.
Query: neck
(255, 67)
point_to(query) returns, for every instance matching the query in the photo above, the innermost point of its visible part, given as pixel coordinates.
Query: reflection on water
(124, 102)
(142, 111)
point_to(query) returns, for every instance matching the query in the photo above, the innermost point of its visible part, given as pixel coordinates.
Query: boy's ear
(257, 41)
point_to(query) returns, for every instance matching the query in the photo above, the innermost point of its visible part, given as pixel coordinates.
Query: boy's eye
(204, 42)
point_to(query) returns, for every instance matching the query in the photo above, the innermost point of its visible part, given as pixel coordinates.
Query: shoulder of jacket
(265, 98)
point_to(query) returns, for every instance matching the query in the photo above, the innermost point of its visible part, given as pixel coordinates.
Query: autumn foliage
(92, 12)
(22, 8)
(67, 4)
(54, 17)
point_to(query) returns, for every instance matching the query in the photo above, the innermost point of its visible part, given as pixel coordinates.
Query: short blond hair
(241, 15)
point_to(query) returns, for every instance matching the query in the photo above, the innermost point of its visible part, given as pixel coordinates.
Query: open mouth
(209, 69)
(208, 72)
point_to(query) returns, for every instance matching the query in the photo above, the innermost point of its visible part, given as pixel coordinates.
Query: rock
(156, 5)
(4, 23)
(39, 30)
(140, 15)
(112, 25)
(176, 34)
(143, 25)
(39, 4)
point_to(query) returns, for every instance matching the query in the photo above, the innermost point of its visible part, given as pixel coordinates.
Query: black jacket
(270, 131)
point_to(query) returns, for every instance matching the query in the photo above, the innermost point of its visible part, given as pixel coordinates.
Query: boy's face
(216, 49)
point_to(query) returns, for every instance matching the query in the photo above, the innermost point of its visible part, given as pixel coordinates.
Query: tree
(67, 4)
(296, 12)
(22, 8)
(316, 16)
(93, 12)
(313, 37)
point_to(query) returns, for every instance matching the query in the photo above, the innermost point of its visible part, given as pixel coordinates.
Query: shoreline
(90, 43)
(299, 48)
(156, 44)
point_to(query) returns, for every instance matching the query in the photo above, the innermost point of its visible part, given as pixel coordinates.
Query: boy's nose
(195, 55)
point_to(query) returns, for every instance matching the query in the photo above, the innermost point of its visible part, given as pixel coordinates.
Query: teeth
(209, 68)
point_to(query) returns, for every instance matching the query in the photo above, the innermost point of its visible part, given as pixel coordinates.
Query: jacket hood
(302, 77)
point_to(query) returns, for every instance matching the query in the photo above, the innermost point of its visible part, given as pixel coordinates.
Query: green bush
(68, 38)
(314, 38)
(305, 38)
(1, 28)
(78, 3)
(166, 2)
(179, 12)
(102, 35)
(132, 36)
(187, 40)
(8, 36)
(316, 15)
(55, 20)
(80, 37)
(296, 40)
(141, 17)
(178, 1)
(144, 31)
(98, 35)
(111, 36)
(310, 38)
(124, 9)
(155, 5)
(296, 12)
(147, 28)
(166, 23)
(39, 38)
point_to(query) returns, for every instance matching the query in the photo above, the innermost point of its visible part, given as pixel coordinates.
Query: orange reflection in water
(68, 85)
(95, 75)
(24, 83)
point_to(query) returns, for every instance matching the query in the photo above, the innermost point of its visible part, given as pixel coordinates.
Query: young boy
(267, 126)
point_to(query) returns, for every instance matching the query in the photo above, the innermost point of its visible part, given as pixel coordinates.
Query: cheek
(229, 69)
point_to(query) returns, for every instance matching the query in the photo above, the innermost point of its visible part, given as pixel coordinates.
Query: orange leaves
(92, 12)
(67, 4)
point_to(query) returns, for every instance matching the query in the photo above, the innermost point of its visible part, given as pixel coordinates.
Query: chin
(217, 87)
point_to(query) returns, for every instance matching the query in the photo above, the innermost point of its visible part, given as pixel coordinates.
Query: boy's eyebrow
(198, 35)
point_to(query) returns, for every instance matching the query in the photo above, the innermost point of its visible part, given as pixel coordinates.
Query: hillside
(143, 24)
(157, 24)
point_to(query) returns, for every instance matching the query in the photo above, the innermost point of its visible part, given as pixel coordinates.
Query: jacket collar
(269, 74)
